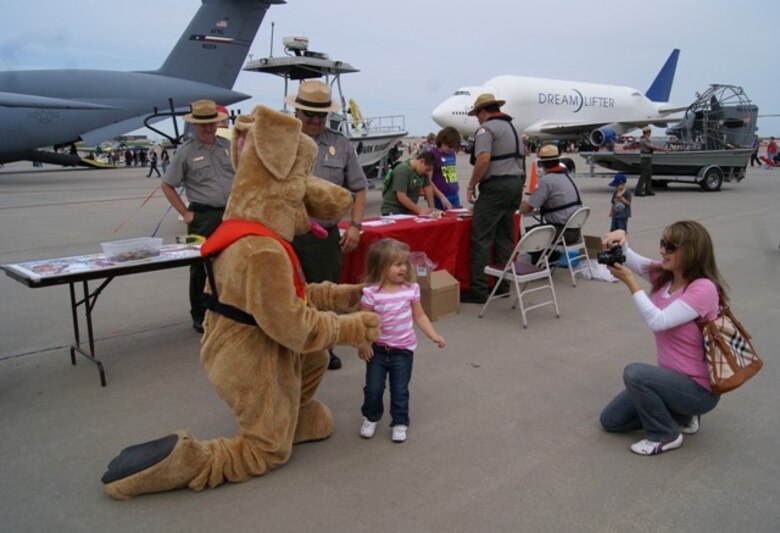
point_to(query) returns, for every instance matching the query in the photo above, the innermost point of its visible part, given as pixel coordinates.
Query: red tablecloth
(446, 241)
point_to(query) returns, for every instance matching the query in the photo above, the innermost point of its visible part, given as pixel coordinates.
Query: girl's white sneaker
(399, 433)
(368, 429)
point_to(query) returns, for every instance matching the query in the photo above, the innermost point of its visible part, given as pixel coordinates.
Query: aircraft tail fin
(214, 46)
(661, 88)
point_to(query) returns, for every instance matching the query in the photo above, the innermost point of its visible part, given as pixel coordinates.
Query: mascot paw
(347, 298)
(358, 329)
(341, 298)
(155, 466)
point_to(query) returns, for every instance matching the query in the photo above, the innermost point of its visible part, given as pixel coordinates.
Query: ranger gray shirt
(337, 163)
(206, 173)
(555, 189)
(496, 136)
(645, 146)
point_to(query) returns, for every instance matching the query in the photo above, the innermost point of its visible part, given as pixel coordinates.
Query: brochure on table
(45, 268)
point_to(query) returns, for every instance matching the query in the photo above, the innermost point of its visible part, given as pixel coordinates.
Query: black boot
(335, 362)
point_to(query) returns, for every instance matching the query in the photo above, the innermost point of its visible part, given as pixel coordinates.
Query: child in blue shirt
(620, 209)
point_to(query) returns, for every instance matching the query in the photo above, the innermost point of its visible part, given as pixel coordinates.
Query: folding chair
(576, 221)
(521, 273)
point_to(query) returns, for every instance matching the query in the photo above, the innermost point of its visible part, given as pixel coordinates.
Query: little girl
(391, 293)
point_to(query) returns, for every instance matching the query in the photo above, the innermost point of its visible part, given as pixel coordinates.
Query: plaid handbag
(731, 358)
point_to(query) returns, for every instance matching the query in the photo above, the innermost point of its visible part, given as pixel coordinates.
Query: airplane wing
(114, 130)
(46, 102)
(576, 128)
(673, 109)
(562, 128)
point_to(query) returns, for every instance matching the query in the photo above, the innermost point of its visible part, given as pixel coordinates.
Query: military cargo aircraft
(41, 108)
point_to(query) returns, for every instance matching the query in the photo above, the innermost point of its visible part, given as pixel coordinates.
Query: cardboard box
(439, 293)
(593, 244)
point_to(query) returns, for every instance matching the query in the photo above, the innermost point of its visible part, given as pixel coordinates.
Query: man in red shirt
(771, 149)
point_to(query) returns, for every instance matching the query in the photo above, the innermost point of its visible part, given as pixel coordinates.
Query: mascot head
(273, 183)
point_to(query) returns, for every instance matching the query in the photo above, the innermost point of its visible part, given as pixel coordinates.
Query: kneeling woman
(665, 401)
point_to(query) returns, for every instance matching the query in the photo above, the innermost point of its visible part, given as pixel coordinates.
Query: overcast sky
(413, 54)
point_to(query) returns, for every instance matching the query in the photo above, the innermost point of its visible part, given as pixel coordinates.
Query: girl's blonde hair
(380, 257)
(697, 256)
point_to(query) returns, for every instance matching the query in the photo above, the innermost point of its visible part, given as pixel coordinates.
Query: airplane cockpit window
(462, 93)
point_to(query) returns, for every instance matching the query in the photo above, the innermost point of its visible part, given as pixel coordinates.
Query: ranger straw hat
(484, 100)
(204, 112)
(313, 95)
(549, 152)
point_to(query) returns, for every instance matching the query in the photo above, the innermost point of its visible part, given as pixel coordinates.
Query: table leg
(88, 301)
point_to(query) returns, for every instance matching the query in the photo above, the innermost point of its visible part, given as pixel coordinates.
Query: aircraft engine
(603, 136)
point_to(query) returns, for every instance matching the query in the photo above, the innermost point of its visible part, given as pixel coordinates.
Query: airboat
(712, 143)
(377, 140)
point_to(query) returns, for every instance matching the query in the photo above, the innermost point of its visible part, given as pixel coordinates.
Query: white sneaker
(692, 427)
(399, 433)
(368, 429)
(649, 447)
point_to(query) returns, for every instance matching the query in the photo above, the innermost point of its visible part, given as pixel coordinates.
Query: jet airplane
(41, 108)
(567, 110)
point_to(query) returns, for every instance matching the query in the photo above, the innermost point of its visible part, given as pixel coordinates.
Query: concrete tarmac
(504, 433)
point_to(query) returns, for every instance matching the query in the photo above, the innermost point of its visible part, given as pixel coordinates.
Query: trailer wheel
(712, 180)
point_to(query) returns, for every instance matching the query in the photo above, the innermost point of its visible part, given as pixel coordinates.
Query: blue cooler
(564, 260)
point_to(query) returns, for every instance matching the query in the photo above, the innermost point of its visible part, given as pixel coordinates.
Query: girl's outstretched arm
(421, 319)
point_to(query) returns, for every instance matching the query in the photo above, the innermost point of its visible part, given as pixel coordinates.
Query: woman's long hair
(381, 255)
(697, 256)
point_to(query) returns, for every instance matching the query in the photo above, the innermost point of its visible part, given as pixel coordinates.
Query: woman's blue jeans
(397, 363)
(657, 400)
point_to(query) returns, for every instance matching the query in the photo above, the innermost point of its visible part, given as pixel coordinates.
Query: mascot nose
(317, 230)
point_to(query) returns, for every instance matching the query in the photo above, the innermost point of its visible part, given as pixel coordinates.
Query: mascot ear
(276, 138)
(240, 129)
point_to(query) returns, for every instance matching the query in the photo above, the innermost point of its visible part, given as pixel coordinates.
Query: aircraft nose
(441, 114)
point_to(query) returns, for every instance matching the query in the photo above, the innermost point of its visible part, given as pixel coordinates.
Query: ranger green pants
(320, 258)
(203, 223)
(493, 224)
(645, 183)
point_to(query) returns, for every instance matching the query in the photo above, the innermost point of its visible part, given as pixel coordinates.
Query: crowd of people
(665, 400)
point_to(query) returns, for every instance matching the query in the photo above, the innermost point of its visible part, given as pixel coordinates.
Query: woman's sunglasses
(668, 246)
(312, 114)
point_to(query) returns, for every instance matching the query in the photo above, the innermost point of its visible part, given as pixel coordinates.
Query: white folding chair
(522, 273)
(580, 250)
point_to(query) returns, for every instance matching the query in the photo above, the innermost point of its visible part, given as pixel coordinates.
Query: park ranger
(202, 165)
(337, 163)
(495, 189)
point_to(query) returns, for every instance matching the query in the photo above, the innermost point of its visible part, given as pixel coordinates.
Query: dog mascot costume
(267, 359)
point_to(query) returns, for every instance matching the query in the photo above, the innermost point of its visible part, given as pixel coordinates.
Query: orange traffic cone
(532, 181)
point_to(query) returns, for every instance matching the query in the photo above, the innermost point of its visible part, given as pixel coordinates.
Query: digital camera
(611, 256)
